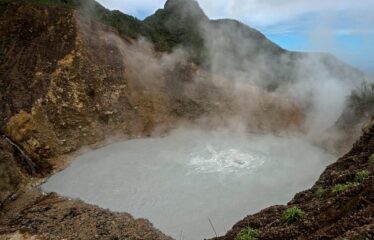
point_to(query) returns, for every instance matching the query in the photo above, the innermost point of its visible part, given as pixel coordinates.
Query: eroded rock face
(32, 41)
(12, 176)
(21, 236)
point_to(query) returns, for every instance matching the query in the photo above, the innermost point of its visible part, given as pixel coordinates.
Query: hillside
(74, 74)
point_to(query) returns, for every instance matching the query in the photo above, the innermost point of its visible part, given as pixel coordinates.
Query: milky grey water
(180, 181)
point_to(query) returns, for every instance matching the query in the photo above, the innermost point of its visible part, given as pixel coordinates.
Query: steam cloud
(249, 80)
(248, 85)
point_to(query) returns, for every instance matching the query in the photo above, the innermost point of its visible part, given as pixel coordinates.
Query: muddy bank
(53, 217)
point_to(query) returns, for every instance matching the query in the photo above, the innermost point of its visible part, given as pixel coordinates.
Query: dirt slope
(53, 217)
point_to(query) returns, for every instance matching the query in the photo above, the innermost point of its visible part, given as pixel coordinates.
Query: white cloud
(321, 21)
(266, 14)
(271, 12)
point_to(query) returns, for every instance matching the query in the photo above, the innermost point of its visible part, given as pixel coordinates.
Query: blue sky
(344, 28)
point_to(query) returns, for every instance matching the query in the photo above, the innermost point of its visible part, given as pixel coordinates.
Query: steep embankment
(37, 216)
(360, 107)
(30, 47)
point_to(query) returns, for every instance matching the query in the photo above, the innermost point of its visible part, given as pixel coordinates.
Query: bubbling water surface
(225, 160)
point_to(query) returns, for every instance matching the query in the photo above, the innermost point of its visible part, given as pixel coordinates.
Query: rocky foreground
(37, 216)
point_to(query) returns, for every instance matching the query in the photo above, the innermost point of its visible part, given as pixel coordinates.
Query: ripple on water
(215, 160)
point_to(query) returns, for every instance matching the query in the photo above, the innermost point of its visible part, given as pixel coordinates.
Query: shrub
(371, 159)
(362, 97)
(340, 188)
(292, 215)
(247, 234)
(320, 192)
(361, 176)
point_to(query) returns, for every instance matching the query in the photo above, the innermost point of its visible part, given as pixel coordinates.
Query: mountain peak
(171, 3)
(190, 8)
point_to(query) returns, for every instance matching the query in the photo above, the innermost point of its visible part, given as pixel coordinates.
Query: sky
(344, 28)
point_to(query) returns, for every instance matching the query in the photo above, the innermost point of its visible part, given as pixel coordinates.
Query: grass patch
(320, 192)
(248, 234)
(292, 215)
(361, 176)
(371, 159)
(340, 188)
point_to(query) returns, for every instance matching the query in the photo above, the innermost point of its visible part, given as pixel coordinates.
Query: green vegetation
(371, 159)
(247, 234)
(361, 176)
(320, 192)
(167, 28)
(364, 238)
(362, 97)
(126, 25)
(292, 215)
(179, 25)
(340, 188)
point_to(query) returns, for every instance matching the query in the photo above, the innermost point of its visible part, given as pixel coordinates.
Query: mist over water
(180, 181)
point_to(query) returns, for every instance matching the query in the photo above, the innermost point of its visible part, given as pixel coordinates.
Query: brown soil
(53, 217)
(12, 174)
